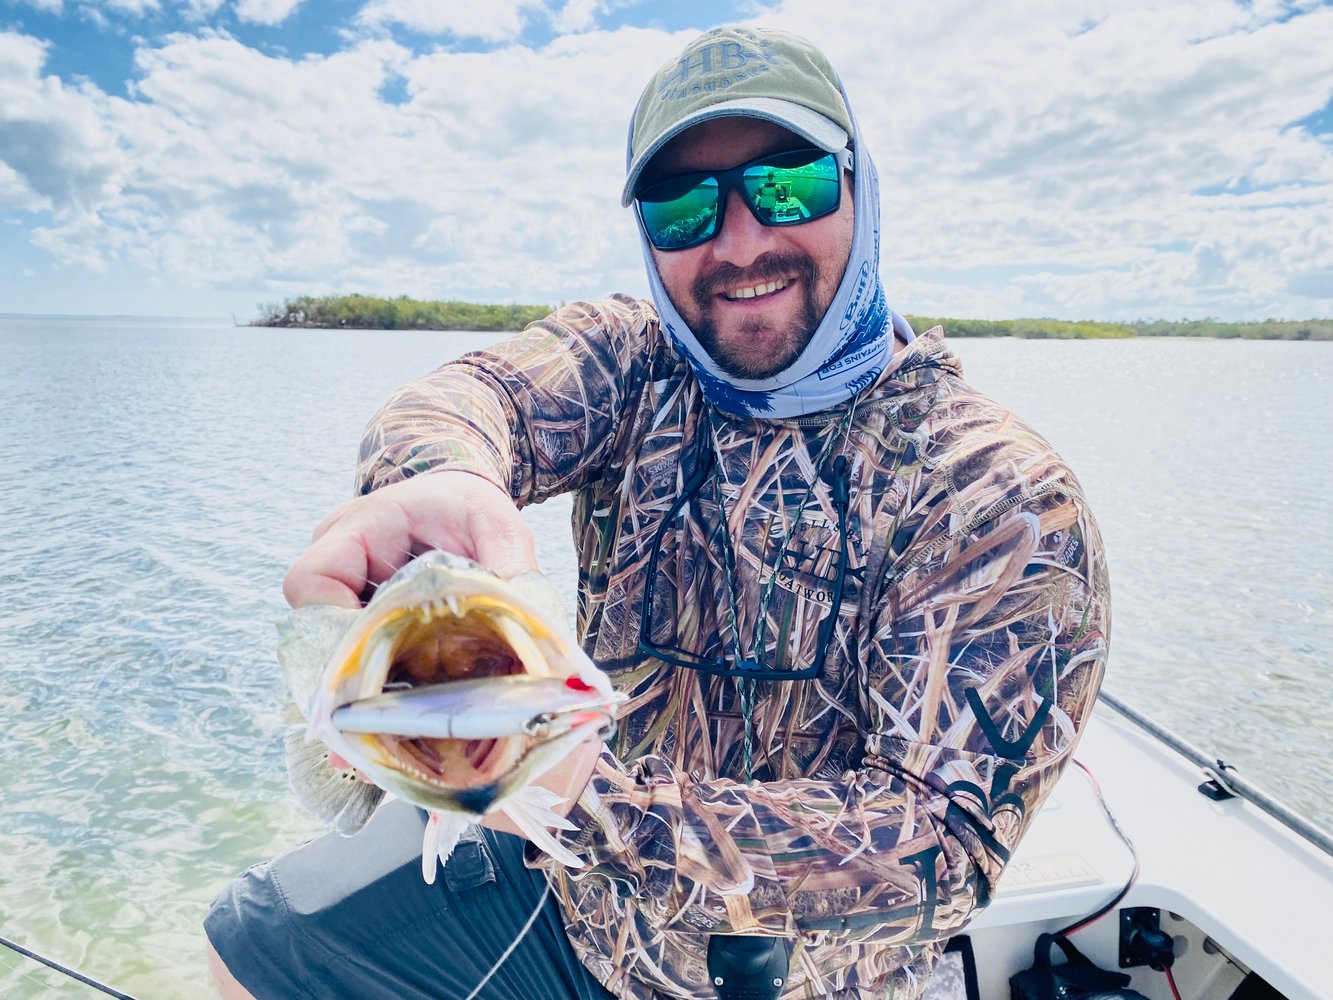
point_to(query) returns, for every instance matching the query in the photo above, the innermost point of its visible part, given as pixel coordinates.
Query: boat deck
(1261, 895)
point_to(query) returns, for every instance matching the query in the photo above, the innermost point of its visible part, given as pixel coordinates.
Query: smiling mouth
(755, 291)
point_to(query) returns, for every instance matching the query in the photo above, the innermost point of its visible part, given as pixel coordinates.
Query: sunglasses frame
(733, 179)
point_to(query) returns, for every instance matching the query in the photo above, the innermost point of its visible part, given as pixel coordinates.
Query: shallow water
(162, 475)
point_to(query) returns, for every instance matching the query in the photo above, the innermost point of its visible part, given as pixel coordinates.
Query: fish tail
(336, 797)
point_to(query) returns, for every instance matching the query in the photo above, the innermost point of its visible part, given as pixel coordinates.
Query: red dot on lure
(578, 684)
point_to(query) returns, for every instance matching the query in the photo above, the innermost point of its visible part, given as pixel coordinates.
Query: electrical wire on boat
(51, 964)
(1171, 981)
(1134, 853)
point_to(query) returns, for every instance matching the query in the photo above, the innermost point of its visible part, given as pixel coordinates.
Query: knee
(228, 987)
(250, 939)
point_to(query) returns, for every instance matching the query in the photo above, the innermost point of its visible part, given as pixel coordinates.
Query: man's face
(754, 294)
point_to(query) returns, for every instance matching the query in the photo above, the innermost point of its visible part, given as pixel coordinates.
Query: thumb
(502, 540)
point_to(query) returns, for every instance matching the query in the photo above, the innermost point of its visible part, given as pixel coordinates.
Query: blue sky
(1107, 159)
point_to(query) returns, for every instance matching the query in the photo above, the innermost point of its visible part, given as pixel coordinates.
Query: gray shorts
(351, 917)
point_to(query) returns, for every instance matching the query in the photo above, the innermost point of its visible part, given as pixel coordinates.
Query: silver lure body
(479, 709)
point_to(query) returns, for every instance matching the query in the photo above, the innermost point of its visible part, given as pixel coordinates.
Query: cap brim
(809, 125)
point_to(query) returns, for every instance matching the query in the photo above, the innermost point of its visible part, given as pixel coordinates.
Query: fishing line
(514, 944)
(50, 964)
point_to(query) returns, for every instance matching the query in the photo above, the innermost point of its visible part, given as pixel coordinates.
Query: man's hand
(366, 540)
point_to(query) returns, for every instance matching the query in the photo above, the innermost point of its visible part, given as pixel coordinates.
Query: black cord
(1133, 876)
(109, 991)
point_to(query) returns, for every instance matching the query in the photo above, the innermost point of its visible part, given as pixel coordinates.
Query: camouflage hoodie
(889, 791)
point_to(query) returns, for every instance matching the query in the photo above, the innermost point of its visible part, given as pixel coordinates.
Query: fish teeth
(377, 663)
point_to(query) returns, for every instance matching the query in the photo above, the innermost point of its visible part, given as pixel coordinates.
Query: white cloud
(576, 15)
(200, 10)
(1086, 160)
(254, 11)
(21, 58)
(582, 15)
(54, 140)
(265, 11)
(1077, 138)
(493, 21)
(135, 8)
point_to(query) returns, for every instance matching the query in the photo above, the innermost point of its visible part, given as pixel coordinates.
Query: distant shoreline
(365, 312)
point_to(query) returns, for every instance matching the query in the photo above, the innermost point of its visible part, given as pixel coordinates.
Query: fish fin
(443, 832)
(307, 638)
(430, 849)
(336, 797)
(530, 809)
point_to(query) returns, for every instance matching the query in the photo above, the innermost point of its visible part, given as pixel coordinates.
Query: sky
(1075, 159)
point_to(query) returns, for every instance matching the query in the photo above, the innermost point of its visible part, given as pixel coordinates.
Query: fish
(453, 690)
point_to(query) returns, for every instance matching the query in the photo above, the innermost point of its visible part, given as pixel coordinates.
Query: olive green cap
(747, 72)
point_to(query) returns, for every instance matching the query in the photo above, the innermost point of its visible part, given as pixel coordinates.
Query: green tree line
(1036, 329)
(367, 312)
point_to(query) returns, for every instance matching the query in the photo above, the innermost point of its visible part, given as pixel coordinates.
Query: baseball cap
(745, 72)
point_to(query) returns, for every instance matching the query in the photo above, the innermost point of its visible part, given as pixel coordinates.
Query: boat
(1201, 886)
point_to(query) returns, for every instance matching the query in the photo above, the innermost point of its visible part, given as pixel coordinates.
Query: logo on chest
(812, 566)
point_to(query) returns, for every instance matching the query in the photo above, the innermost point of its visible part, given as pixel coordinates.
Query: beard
(734, 358)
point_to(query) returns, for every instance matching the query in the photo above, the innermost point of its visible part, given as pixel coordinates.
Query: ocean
(162, 474)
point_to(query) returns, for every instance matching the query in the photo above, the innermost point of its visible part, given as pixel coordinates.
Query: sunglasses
(782, 189)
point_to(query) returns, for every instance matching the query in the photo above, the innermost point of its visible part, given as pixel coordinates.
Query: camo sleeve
(982, 656)
(536, 414)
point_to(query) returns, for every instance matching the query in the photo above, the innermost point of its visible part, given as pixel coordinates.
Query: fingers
(327, 574)
(364, 541)
(503, 542)
(363, 544)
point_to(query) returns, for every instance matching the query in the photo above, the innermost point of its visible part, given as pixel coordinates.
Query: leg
(228, 987)
(352, 918)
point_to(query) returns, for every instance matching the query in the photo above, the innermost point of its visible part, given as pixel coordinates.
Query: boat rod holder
(1217, 787)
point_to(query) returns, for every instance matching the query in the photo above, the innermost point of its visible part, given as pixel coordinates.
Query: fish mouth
(435, 643)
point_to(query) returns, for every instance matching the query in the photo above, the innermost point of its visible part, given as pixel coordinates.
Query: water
(161, 476)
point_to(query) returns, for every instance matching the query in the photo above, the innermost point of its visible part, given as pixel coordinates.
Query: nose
(743, 237)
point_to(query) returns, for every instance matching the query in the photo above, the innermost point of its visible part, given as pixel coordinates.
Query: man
(860, 610)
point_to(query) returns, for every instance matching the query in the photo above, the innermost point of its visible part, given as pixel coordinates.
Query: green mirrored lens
(781, 189)
(791, 188)
(680, 212)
